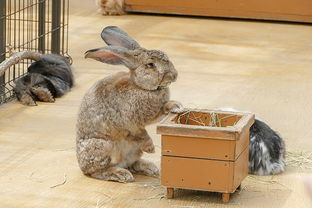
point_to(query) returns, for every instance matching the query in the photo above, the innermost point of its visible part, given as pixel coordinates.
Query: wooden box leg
(170, 193)
(239, 187)
(225, 197)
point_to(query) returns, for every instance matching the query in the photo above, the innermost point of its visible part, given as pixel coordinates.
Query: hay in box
(212, 119)
(205, 150)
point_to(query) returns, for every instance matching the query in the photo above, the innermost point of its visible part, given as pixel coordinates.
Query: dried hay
(303, 160)
(214, 119)
(158, 196)
(60, 184)
(259, 179)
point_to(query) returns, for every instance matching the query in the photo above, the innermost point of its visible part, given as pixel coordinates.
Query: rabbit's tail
(266, 150)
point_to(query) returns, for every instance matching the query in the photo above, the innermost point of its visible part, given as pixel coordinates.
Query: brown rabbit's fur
(110, 7)
(111, 135)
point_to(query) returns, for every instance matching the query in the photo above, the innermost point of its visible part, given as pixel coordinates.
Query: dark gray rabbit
(266, 149)
(47, 79)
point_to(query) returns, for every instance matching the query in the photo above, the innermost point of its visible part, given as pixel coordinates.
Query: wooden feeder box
(205, 150)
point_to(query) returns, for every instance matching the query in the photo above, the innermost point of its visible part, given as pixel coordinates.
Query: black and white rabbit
(47, 79)
(266, 149)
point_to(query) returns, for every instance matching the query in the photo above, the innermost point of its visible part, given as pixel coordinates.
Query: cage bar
(56, 25)
(2, 45)
(41, 31)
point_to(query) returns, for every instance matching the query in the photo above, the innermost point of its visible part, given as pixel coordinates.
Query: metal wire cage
(37, 25)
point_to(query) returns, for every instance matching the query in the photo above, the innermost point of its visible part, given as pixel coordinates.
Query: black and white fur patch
(266, 149)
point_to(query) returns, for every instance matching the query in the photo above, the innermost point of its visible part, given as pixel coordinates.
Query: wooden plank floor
(261, 67)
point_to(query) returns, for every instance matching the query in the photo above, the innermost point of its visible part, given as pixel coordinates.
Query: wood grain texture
(198, 174)
(240, 168)
(292, 10)
(225, 197)
(181, 170)
(170, 126)
(241, 144)
(170, 193)
(260, 67)
(206, 148)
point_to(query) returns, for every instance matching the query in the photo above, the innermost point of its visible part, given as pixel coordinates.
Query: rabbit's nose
(170, 76)
(174, 77)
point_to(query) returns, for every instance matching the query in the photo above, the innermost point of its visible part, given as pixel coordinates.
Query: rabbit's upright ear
(114, 36)
(114, 55)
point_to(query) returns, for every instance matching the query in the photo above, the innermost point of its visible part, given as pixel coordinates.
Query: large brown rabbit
(111, 135)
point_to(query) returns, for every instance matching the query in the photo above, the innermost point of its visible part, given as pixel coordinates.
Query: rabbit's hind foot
(43, 94)
(26, 99)
(114, 174)
(144, 167)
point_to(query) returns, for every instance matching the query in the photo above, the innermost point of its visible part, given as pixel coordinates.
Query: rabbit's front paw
(173, 107)
(148, 147)
(178, 108)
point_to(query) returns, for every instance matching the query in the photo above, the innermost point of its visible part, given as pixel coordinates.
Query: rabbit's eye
(150, 65)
